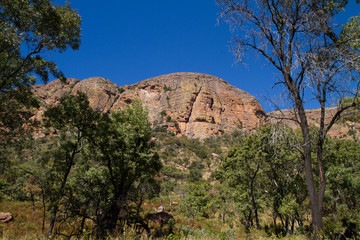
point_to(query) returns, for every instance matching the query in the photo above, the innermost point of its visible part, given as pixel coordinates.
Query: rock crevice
(190, 104)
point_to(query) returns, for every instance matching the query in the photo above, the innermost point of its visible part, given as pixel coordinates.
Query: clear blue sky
(130, 41)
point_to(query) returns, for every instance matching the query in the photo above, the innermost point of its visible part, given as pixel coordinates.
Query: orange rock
(192, 104)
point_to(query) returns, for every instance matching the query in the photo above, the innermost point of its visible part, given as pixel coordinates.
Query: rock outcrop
(5, 217)
(192, 104)
(341, 129)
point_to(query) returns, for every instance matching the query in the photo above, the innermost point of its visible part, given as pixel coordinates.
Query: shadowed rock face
(192, 104)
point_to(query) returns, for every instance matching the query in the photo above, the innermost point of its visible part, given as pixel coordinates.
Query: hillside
(196, 180)
(194, 105)
(188, 104)
(342, 129)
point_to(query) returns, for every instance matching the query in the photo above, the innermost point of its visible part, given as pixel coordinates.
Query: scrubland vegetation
(98, 176)
(105, 175)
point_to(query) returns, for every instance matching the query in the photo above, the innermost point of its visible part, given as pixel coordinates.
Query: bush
(163, 113)
(197, 199)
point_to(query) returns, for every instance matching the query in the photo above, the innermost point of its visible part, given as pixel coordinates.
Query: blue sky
(130, 41)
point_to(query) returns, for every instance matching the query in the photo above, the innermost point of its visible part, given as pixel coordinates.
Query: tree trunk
(274, 219)
(52, 222)
(292, 225)
(315, 197)
(254, 205)
(316, 213)
(44, 211)
(107, 223)
(252, 198)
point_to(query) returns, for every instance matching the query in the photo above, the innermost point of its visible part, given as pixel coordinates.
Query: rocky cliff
(192, 104)
(341, 129)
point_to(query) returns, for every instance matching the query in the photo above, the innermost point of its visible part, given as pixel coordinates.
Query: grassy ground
(27, 225)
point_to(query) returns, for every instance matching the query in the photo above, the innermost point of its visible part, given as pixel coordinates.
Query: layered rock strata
(191, 104)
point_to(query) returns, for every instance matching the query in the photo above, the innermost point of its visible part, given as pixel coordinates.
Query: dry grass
(26, 227)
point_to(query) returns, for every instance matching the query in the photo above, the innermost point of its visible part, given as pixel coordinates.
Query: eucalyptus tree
(241, 171)
(317, 60)
(104, 166)
(342, 205)
(74, 119)
(122, 145)
(283, 184)
(29, 29)
(264, 172)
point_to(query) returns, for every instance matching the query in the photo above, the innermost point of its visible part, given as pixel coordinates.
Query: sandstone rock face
(101, 92)
(192, 104)
(340, 129)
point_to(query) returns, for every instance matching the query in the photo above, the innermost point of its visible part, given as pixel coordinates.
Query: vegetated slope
(188, 104)
(344, 128)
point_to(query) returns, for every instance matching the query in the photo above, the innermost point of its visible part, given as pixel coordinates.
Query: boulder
(5, 217)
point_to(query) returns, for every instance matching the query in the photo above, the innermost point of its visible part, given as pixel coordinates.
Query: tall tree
(241, 170)
(265, 172)
(74, 119)
(28, 30)
(122, 144)
(110, 154)
(343, 189)
(315, 59)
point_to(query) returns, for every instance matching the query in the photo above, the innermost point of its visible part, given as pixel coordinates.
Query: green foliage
(29, 29)
(279, 192)
(121, 90)
(167, 187)
(350, 33)
(264, 172)
(195, 172)
(240, 171)
(173, 172)
(183, 150)
(74, 115)
(289, 206)
(343, 192)
(121, 147)
(110, 154)
(195, 146)
(163, 113)
(3, 185)
(352, 114)
(196, 200)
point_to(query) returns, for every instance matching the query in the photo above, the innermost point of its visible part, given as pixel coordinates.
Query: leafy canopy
(111, 154)
(28, 29)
